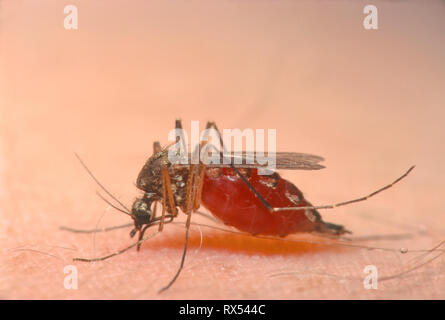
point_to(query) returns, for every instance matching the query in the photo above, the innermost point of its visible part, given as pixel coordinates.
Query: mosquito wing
(283, 160)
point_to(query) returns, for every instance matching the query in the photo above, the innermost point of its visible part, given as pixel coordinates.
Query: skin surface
(370, 102)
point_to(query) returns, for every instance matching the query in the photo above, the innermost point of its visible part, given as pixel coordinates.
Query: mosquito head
(141, 211)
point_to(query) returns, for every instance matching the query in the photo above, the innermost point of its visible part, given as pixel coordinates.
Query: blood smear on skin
(233, 241)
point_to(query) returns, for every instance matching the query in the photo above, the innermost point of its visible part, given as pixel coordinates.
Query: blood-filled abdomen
(229, 199)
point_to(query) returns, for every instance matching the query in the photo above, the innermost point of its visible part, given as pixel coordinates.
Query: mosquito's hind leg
(327, 226)
(344, 203)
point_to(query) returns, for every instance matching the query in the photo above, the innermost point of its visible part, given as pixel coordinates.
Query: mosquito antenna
(100, 184)
(112, 205)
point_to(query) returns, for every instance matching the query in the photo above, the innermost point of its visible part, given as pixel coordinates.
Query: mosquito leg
(140, 240)
(117, 252)
(211, 124)
(155, 210)
(331, 206)
(243, 178)
(107, 229)
(188, 203)
(198, 187)
(127, 225)
(181, 266)
(141, 234)
(188, 208)
(339, 204)
(201, 169)
(169, 192)
(161, 223)
(167, 196)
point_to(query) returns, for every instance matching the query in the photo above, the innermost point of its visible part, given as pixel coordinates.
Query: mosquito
(235, 194)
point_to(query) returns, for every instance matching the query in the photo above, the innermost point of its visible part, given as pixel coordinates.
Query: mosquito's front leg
(190, 197)
(117, 252)
(167, 195)
(189, 190)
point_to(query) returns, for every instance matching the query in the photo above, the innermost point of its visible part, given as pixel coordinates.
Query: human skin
(370, 102)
